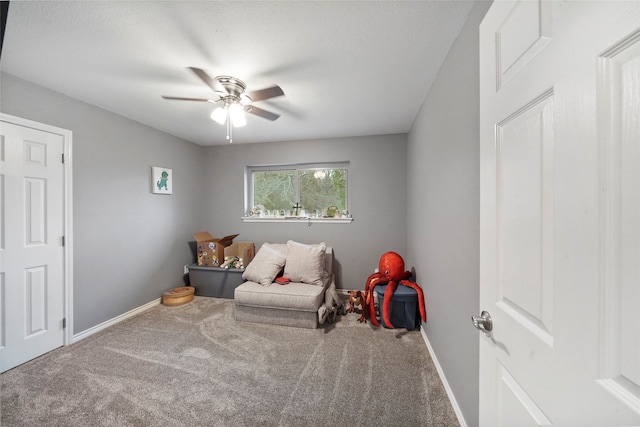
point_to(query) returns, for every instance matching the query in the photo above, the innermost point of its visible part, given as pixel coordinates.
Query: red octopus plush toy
(390, 272)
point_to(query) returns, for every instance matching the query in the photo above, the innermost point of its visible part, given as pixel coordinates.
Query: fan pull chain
(229, 128)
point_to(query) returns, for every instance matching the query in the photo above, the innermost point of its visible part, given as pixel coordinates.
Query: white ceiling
(348, 68)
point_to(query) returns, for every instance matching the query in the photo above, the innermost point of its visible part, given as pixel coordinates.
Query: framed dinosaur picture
(161, 180)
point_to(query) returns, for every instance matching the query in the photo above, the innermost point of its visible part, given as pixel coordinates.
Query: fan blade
(261, 113)
(270, 92)
(189, 99)
(208, 80)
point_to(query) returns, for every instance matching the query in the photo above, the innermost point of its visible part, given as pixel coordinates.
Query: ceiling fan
(231, 92)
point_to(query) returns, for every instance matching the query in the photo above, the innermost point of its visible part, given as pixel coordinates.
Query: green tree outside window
(313, 189)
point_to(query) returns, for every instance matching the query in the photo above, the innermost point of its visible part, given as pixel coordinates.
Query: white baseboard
(452, 398)
(88, 332)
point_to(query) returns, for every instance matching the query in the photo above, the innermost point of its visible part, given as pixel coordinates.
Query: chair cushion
(292, 296)
(328, 259)
(265, 266)
(305, 263)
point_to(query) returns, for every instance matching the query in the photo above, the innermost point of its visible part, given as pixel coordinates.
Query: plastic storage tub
(214, 281)
(404, 307)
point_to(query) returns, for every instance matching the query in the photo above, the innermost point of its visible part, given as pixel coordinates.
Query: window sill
(302, 219)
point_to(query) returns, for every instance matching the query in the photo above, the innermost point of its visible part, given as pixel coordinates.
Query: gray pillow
(265, 266)
(305, 263)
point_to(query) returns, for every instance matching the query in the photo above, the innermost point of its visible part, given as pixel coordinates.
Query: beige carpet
(194, 365)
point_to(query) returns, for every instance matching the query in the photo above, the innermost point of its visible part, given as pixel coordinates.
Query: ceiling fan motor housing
(233, 86)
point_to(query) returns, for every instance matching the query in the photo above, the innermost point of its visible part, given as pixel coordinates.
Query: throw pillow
(305, 263)
(265, 266)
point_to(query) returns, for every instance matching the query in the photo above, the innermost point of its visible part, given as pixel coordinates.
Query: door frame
(67, 137)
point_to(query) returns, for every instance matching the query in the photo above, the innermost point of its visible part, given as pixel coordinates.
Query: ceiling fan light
(239, 121)
(236, 113)
(219, 115)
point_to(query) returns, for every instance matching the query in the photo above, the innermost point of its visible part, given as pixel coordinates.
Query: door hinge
(62, 157)
(64, 323)
(63, 241)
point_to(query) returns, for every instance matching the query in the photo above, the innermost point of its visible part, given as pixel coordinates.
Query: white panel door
(560, 213)
(31, 239)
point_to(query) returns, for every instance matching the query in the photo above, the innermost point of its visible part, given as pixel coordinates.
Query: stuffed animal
(391, 273)
(232, 262)
(357, 298)
(332, 306)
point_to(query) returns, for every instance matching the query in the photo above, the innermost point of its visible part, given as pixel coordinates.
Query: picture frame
(161, 180)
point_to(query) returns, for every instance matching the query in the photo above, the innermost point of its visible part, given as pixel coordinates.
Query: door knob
(483, 323)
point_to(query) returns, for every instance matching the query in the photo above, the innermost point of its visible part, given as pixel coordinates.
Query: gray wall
(443, 212)
(129, 245)
(377, 197)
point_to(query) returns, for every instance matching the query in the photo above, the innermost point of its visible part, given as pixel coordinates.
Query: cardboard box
(244, 250)
(210, 250)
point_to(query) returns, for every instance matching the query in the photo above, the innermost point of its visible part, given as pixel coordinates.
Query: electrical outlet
(185, 269)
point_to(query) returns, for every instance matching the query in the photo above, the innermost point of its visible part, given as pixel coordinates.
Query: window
(309, 191)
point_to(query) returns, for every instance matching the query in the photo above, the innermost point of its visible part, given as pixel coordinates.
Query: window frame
(296, 167)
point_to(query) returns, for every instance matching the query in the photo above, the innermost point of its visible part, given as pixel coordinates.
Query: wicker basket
(178, 296)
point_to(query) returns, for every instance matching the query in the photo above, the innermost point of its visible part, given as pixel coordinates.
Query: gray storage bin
(214, 281)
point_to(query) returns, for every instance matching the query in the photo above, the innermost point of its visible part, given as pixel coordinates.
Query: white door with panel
(560, 214)
(32, 276)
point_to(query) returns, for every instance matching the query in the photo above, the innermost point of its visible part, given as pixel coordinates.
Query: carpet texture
(194, 365)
